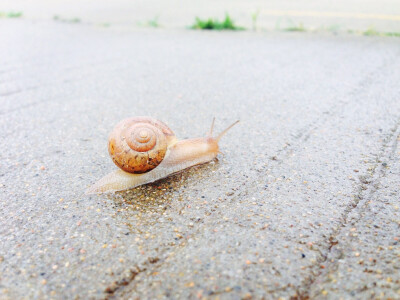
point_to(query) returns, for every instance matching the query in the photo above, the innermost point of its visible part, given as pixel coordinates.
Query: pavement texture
(320, 15)
(303, 203)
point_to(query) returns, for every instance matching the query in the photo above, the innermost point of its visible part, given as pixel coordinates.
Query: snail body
(151, 159)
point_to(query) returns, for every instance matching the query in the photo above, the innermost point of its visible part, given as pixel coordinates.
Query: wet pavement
(304, 201)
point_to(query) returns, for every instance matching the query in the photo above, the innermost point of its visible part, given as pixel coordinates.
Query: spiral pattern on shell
(138, 145)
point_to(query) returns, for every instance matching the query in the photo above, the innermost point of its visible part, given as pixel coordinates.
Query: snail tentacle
(226, 130)
(212, 127)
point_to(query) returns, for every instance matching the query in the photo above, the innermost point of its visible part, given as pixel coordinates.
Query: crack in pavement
(304, 134)
(243, 189)
(111, 289)
(364, 192)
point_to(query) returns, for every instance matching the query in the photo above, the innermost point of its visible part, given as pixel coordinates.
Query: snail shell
(146, 150)
(138, 145)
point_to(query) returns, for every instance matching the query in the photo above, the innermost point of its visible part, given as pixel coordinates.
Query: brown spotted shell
(139, 144)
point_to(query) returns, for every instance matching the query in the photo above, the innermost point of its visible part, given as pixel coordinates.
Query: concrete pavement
(303, 203)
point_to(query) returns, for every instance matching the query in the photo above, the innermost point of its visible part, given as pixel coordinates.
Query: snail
(146, 150)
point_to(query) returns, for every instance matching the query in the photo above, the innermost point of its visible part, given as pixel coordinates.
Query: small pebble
(190, 284)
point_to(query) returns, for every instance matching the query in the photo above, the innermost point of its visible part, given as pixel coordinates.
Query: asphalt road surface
(304, 201)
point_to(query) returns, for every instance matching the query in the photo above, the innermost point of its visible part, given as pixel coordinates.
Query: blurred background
(364, 16)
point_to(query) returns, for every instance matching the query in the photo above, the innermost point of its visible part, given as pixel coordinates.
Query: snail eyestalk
(212, 127)
(226, 130)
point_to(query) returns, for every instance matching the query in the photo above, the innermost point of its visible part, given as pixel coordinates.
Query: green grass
(214, 24)
(290, 25)
(60, 19)
(153, 22)
(11, 14)
(373, 32)
(396, 34)
(333, 28)
(299, 28)
(254, 18)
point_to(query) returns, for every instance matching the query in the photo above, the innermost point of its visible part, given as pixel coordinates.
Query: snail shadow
(158, 204)
(156, 197)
